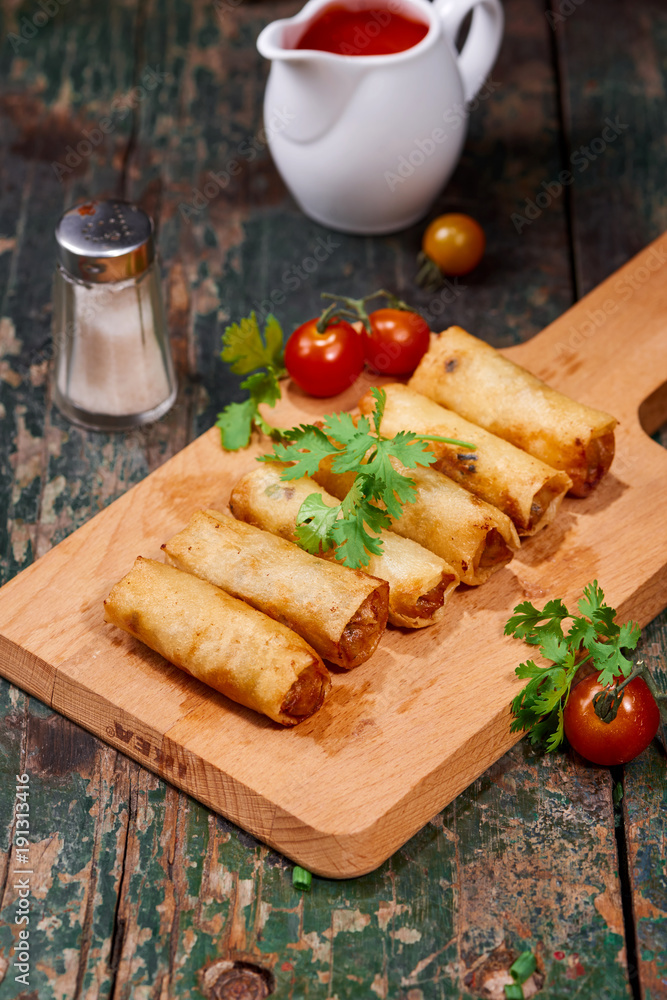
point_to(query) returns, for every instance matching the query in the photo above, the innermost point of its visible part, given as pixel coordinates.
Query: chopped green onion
(524, 966)
(514, 992)
(301, 879)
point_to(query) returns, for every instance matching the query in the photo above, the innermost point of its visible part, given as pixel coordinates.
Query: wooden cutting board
(407, 731)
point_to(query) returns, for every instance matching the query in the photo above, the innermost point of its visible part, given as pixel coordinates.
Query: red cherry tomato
(614, 742)
(455, 242)
(324, 364)
(397, 342)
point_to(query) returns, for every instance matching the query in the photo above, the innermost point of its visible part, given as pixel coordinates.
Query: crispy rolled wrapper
(340, 612)
(420, 583)
(469, 376)
(221, 641)
(471, 535)
(522, 486)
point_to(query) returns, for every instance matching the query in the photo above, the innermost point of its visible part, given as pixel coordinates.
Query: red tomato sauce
(370, 32)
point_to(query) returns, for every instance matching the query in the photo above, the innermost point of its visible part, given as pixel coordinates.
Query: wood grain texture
(344, 789)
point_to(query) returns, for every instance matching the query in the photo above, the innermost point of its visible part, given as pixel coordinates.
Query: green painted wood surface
(137, 889)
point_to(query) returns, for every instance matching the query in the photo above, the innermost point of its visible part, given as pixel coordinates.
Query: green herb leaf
(380, 397)
(315, 520)
(538, 708)
(306, 447)
(380, 487)
(244, 349)
(609, 660)
(263, 387)
(235, 423)
(525, 622)
(592, 601)
(273, 337)
(236, 420)
(354, 544)
(354, 442)
(629, 635)
(553, 646)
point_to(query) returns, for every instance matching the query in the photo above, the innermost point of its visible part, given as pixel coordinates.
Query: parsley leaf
(320, 527)
(245, 351)
(380, 397)
(306, 447)
(314, 522)
(354, 544)
(524, 623)
(235, 423)
(379, 489)
(594, 635)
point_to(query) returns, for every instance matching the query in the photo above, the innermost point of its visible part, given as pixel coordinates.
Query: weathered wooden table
(137, 890)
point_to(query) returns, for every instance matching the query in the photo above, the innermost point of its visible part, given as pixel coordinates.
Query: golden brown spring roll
(522, 486)
(469, 376)
(221, 641)
(340, 612)
(471, 535)
(420, 583)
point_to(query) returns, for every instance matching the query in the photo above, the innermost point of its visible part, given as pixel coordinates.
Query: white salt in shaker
(113, 361)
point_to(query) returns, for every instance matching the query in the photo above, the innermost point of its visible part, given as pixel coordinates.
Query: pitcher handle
(478, 55)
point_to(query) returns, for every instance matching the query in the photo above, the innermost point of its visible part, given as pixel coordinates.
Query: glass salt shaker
(113, 367)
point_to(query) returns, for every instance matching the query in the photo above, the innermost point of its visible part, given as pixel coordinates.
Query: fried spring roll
(340, 612)
(471, 377)
(471, 535)
(420, 583)
(523, 487)
(219, 640)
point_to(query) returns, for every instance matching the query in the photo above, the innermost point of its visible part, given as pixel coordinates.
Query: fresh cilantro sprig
(343, 527)
(593, 635)
(245, 350)
(378, 492)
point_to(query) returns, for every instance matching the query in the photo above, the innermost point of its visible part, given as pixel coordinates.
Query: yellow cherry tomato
(455, 242)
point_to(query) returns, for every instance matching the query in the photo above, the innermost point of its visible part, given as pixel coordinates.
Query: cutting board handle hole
(653, 411)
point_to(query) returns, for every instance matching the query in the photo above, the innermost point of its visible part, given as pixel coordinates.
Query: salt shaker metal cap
(113, 367)
(102, 241)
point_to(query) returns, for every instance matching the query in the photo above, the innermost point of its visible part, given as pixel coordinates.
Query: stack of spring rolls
(219, 610)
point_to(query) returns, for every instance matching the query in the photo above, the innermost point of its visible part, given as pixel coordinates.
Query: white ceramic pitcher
(365, 143)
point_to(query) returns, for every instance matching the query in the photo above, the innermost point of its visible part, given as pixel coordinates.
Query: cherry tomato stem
(616, 742)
